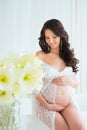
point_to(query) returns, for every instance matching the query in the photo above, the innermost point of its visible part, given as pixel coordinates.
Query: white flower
(31, 76)
(6, 78)
(6, 97)
(19, 76)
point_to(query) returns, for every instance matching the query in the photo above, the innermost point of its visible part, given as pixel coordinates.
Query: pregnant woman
(56, 106)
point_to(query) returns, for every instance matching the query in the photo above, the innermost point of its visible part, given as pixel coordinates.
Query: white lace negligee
(48, 91)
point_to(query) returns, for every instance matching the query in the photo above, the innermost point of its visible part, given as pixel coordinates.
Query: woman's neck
(55, 51)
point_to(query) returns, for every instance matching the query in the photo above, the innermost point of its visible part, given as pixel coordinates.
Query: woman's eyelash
(52, 37)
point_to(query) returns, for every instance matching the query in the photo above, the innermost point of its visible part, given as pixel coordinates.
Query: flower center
(2, 92)
(3, 78)
(27, 77)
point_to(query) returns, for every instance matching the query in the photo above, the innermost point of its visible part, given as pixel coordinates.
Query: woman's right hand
(58, 81)
(55, 107)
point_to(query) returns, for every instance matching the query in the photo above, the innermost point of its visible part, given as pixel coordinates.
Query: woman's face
(51, 39)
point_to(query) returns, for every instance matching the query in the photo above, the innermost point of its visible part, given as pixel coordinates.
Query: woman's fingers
(59, 108)
(55, 107)
(57, 81)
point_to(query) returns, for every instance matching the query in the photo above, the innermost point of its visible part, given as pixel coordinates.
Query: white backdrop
(22, 20)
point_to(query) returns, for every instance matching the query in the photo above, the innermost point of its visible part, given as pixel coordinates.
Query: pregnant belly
(62, 96)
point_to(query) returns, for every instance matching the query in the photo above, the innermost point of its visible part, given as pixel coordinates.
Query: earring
(48, 48)
(61, 46)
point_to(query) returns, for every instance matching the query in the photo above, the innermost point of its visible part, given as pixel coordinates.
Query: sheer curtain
(79, 32)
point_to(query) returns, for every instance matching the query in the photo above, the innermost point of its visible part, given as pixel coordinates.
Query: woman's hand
(60, 81)
(65, 80)
(55, 107)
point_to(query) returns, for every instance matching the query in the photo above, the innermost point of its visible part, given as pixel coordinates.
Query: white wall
(42, 10)
(22, 20)
(15, 26)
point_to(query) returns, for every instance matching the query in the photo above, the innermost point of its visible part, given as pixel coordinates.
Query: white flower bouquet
(19, 76)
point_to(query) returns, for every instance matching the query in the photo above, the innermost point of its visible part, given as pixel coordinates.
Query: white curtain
(79, 32)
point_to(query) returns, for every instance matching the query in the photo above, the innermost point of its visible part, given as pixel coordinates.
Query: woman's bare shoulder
(39, 54)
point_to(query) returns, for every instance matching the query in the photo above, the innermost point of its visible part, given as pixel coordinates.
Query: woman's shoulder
(39, 54)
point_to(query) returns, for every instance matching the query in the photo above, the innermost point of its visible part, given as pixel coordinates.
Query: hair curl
(65, 52)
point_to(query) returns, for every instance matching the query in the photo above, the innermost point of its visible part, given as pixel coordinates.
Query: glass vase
(10, 116)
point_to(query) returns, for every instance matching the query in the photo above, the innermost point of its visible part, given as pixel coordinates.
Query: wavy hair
(65, 52)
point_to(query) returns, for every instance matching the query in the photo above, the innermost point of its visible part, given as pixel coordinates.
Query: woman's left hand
(65, 80)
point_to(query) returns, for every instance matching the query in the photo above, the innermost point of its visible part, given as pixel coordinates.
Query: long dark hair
(65, 52)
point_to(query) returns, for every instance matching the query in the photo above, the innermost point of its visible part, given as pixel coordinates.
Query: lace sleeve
(35, 92)
(45, 83)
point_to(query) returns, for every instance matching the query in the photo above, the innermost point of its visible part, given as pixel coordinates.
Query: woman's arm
(41, 100)
(67, 80)
(52, 107)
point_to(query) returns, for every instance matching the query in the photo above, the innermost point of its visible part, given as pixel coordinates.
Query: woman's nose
(51, 40)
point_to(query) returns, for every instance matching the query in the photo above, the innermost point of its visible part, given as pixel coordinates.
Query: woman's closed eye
(53, 37)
